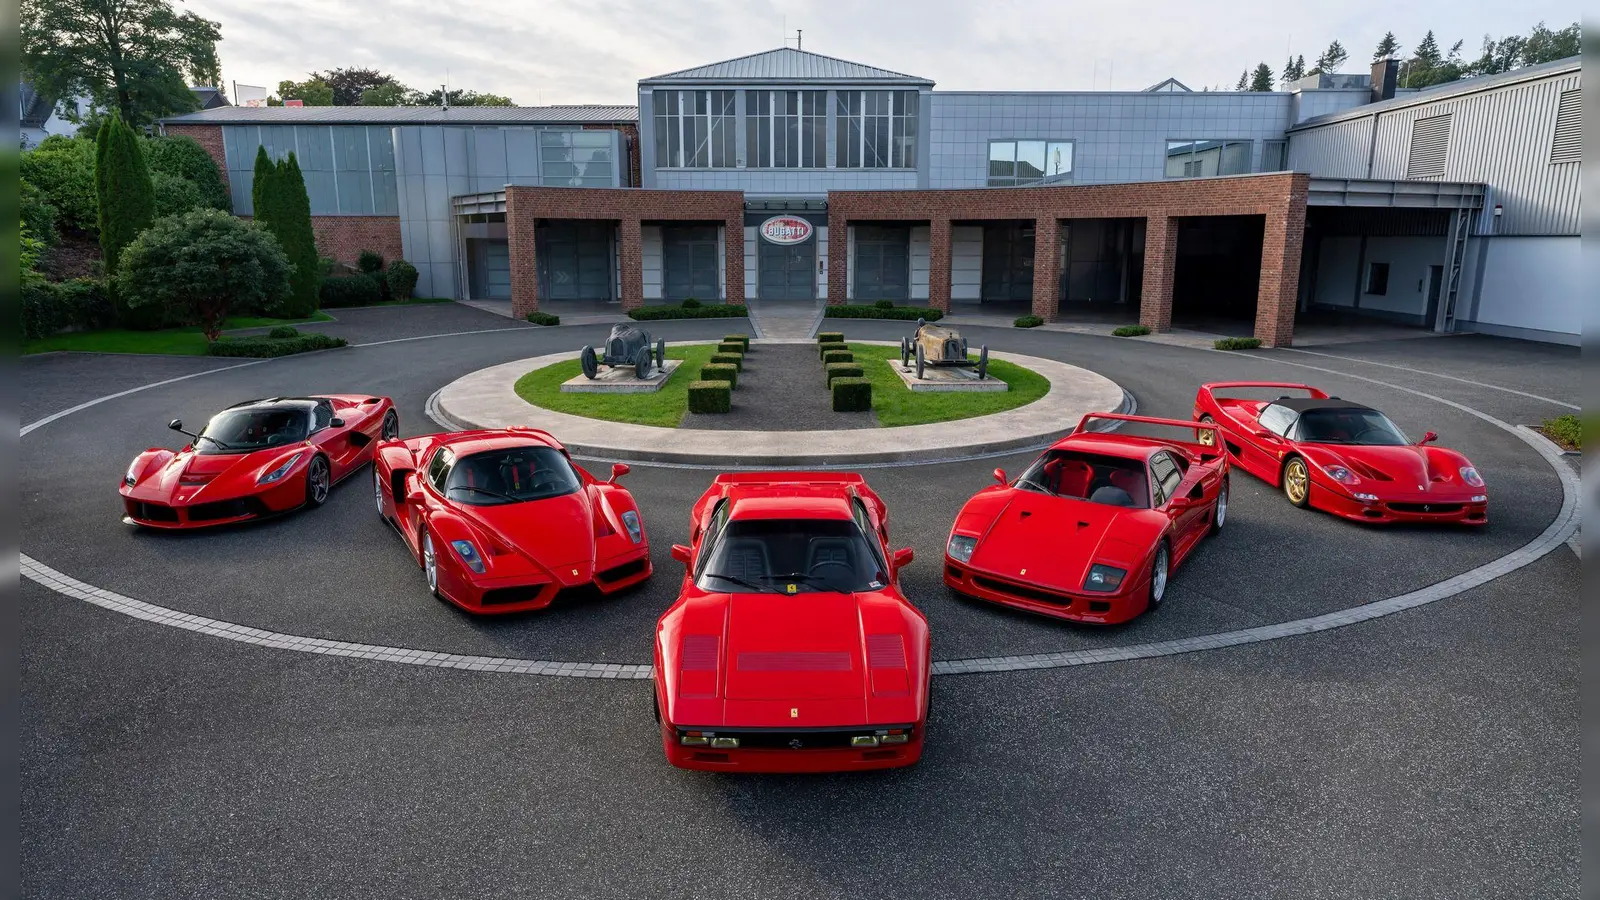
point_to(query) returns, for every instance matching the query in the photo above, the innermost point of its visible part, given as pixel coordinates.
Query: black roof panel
(1301, 404)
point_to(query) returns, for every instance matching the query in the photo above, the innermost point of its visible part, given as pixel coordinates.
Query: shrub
(349, 290)
(1131, 331)
(830, 337)
(717, 311)
(175, 196)
(200, 266)
(852, 394)
(544, 318)
(690, 303)
(720, 372)
(1567, 431)
(710, 397)
(283, 208)
(181, 157)
(822, 349)
(730, 347)
(884, 304)
(743, 339)
(1028, 322)
(38, 213)
(402, 277)
(838, 356)
(49, 307)
(127, 207)
(380, 282)
(283, 331)
(269, 347)
(730, 359)
(911, 313)
(62, 169)
(369, 261)
(1237, 343)
(833, 371)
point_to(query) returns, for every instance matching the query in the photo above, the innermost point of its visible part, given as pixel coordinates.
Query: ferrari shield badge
(790, 588)
(794, 712)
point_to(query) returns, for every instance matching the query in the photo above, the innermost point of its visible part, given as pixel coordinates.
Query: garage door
(883, 262)
(1007, 263)
(689, 263)
(575, 261)
(787, 271)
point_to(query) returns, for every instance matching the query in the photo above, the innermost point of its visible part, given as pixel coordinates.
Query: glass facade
(786, 129)
(349, 170)
(876, 130)
(1274, 156)
(1201, 159)
(1021, 162)
(576, 159)
(695, 129)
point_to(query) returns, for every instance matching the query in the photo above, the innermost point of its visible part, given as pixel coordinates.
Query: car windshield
(512, 475)
(1111, 480)
(792, 556)
(1349, 426)
(257, 428)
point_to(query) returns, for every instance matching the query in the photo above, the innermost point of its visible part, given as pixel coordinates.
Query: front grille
(1441, 508)
(507, 596)
(1020, 590)
(224, 509)
(786, 738)
(579, 594)
(793, 661)
(154, 512)
(626, 570)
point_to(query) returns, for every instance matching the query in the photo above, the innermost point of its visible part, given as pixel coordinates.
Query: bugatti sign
(786, 230)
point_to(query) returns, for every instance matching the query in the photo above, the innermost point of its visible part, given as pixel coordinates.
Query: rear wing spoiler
(1213, 387)
(787, 477)
(1199, 444)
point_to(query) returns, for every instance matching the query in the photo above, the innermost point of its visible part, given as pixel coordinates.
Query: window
(511, 475)
(439, 467)
(792, 556)
(695, 129)
(1277, 419)
(251, 429)
(1430, 145)
(877, 130)
(1021, 162)
(1377, 279)
(1167, 477)
(1202, 159)
(786, 129)
(349, 170)
(1366, 427)
(576, 159)
(708, 542)
(1567, 145)
(1274, 156)
(323, 415)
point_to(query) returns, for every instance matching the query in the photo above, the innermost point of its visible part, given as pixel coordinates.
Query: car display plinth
(944, 378)
(621, 380)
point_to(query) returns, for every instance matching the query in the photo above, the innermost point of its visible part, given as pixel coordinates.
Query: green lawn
(169, 341)
(666, 407)
(897, 404)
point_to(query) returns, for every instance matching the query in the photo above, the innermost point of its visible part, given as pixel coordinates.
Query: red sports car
(1343, 457)
(1094, 527)
(503, 521)
(791, 648)
(256, 459)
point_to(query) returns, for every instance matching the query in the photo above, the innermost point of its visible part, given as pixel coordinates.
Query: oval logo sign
(786, 230)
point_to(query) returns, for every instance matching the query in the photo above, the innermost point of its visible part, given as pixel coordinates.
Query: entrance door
(787, 271)
(883, 262)
(689, 263)
(574, 261)
(1007, 263)
(1435, 285)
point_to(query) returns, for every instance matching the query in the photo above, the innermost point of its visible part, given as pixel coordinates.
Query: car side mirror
(902, 558)
(336, 422)
(176, 424)
(1000, 476)
(1178, 504)
(682, 553)
(1428, 438)
(1264, 434)
(618, 470)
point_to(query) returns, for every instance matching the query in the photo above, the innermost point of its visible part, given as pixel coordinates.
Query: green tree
(313, 92)
(1330, 60)
(284, 209)
(1244, 81)
(1543, 45)
(1299, 67)
(262, 196)
(349, 84)
(391, 94)
(38, 213)
(1261, 80)
(30, 251)
(1387, 48)
(127, 205)
(62, 168)
(466, 98)
(181, 157)
(1287, 78)
(137, 57)
(201, 266)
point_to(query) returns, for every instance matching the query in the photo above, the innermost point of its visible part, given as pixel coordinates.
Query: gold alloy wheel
(1207, 438)
(1296, 481)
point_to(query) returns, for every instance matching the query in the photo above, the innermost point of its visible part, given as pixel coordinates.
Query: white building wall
(752, 277)
(650, 260)
(722, 263)
(1341, 270)
(850, 266)
(921, 245)
(966, 263)
(822, 262)
(1532, 287)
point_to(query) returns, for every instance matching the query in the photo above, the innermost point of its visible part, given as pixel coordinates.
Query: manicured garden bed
(665, 408)
(166, 341)
(896, 404)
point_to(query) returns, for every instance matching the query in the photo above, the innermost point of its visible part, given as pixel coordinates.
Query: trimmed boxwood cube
(743, 339)
(852, 394)
(730, 347)
(830, 337)
(822, 349)
(720, 372)
(842, 370)
(728, 359)
(710, 397)
(838, 356)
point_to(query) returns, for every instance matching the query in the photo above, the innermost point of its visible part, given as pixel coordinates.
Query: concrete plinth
(620, 380)
(944, 378)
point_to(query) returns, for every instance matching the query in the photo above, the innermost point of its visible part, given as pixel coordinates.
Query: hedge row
(742, 339)
(350, 290)
(710, 397)
(268, 347)
(716, 311)
(830, 337)
(1237, 343)
(720, 372)
(1131, 331)
(1028, 322)
(729, 359)
(838, 356)
(824, 348)
(852, 394)
(832, 371)
(875, 312)
(544, 318)
(49, 307)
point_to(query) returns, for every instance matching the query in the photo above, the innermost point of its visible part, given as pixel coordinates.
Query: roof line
(775, 50)
(1436, 93)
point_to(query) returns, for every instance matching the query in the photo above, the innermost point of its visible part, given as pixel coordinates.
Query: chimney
(1384, 76)
(444, 96)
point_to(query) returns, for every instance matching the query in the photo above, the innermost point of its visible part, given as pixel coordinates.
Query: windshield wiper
(478, 490)
(1035, 486)
(808, 578)
(742, 582)
(207, 437)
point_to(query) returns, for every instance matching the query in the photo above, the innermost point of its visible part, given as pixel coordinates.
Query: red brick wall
(207, 136)
(629, 208)
(631, 131)
(344, 237)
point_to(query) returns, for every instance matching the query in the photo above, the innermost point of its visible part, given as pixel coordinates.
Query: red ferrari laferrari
(791, 648)
(255, 459)
(1094, 527)
(503, 521)
(1342, 457)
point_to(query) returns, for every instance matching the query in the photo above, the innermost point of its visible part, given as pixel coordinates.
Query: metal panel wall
(1339, 150)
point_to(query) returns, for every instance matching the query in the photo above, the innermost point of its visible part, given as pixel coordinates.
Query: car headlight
(1366, 498)
(1471, 476)
(132, 475)
(961, 547)
(1480, 498)
(630, 521)
(1104, 578)
(1341, 474)
(280, 471)
(469, 555)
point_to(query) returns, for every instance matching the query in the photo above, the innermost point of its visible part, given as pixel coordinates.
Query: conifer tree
(127, 204)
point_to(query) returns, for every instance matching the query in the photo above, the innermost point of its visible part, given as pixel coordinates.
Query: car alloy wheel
(1208, 438)
(317, 481)
(377, 490)
(1296, 481)
(1158, 577)
(430, 563)
(391, 426)
(1221, 515)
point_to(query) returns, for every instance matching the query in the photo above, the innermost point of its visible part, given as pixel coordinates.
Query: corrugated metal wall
(1339, 150)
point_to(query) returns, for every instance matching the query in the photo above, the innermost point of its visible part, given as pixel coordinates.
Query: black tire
(590, 363)
(1219, 513)
(661, 354)
(1296, 482)
(641, 363)
(430, 571)
(983, 362)
(905, 352)
(1162, 564)
(391, 426)
(319, 481)
(921, 362)
(379, 489)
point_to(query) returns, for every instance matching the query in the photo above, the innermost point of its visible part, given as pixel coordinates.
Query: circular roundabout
(337, 580)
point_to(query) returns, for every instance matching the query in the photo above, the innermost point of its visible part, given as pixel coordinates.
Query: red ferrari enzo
(791, 648)
(1343, 457)
(503, 521)
(1094, 527)
(256, 459)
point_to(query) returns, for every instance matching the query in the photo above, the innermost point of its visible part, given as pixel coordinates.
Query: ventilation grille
(1430, 143)
(699, 653)
(1568, 143)
(886, 651)
(794, 662)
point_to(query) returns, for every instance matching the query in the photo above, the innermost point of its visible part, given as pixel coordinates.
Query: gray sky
(559, 51)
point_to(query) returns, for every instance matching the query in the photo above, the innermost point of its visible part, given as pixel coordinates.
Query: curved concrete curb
(486, 399)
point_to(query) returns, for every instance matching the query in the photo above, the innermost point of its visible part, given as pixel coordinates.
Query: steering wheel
(1363, 432)
(824, 563)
